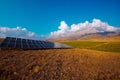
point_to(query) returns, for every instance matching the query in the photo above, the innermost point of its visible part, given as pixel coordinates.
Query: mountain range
(96, 29)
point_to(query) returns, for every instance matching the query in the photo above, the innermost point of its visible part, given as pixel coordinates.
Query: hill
(59, 64)
(93, 36)
(100, 45)
(90, 59)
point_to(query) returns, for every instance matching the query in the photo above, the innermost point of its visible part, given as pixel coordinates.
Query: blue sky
(44, 16)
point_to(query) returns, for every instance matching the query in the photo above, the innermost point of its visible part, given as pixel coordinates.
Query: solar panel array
(19, 43)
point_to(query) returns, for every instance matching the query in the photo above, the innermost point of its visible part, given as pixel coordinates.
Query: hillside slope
(59, 64)
(93, 36)
(111, 44)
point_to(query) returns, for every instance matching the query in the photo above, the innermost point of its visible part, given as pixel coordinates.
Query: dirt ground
(59, 64)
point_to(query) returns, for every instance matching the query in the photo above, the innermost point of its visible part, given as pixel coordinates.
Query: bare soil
(59, 64)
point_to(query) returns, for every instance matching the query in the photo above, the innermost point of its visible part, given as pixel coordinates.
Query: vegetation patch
(83, 44)
(109, 46)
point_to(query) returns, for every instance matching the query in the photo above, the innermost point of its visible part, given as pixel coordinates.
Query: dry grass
(59, 64)
(1, 39)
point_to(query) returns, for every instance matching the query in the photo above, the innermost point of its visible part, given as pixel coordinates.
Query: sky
(41, 17)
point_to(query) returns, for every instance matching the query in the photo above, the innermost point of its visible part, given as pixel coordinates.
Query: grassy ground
(109, 46)
(59, 64)
(88, 60)
(82, 44)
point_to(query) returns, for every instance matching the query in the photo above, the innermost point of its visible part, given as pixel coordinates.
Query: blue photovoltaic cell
(4, 45)
(19, 43)
(42, 44)
(38, 44)
(11, 45)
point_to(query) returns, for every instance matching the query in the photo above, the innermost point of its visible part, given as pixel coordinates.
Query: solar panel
(4, 45)
(11, 45)
(38, 43)
(41, 44)
(24, 44)
(19, 43)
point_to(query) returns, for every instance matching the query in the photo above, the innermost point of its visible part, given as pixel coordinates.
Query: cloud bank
(82, 28)
(63, 30)
(18, 32)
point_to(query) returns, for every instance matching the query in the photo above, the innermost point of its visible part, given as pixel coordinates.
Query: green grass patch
(83, 44)
(109, 47)
(96, 45)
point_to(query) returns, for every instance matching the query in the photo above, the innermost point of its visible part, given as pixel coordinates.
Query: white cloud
(82, 28)
(63, 25)
(18, 32)
(62, 30)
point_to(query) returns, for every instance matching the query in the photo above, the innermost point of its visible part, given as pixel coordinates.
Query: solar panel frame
(27, 44)
(19, 43)
(8, 41)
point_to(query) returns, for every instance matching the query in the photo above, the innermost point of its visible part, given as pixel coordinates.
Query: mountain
(96, 28)
(90, 33)
(99, 35)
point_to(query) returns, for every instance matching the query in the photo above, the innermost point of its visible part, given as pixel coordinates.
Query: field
(88, 60)
(108, 46)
